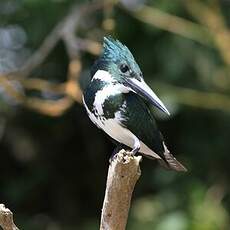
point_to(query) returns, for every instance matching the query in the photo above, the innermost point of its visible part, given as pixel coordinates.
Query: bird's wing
(140, 121)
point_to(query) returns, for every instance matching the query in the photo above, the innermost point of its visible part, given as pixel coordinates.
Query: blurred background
(54, 161)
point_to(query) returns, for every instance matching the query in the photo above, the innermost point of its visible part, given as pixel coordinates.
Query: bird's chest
(106, 101)
(108, 115)
(107, 105)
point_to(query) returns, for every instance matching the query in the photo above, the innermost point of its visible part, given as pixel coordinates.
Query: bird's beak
(141, 88)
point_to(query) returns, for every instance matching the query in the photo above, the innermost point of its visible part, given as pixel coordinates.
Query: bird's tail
(170, 162)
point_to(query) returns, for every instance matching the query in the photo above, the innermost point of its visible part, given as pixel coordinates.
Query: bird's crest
(114, 50)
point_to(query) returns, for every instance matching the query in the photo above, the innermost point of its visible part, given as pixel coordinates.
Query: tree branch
(123, 174)
(212, 18)
(173, 24)
(196, 98)
(6, 219)
(65, 29)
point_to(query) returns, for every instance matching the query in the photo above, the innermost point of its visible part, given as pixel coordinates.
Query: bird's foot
(136, 148)
(135, 151)
(114, 153)
(112, 158)
(117, 150)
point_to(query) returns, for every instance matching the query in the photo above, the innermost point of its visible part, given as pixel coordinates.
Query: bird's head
(122, 68)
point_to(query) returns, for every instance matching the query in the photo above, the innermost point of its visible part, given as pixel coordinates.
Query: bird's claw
(124, 154)
(134, 151)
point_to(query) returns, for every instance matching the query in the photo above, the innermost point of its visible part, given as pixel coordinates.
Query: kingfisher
(118, 101)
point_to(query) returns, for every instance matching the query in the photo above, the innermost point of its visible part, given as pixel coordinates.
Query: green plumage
(136, 117)
(140, 121)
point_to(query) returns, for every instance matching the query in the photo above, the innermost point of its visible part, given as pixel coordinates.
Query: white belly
(119, 133)
(115, 130)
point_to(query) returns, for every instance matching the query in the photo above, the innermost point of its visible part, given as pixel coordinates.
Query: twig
(65, 30)
(211, 18)
(196, 98)
(49, 107)
(70, 90)
(173, 24)
(6, 219)
(124, 171)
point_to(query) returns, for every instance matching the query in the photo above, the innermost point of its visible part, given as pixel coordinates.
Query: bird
(118, 101)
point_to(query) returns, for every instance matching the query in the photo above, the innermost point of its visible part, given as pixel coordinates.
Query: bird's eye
(124, 68)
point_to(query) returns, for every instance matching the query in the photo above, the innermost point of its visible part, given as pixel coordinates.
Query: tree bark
(6, 219)
(124, 171)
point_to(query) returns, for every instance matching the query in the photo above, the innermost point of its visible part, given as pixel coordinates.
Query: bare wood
(124, 171)
(6, 219)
